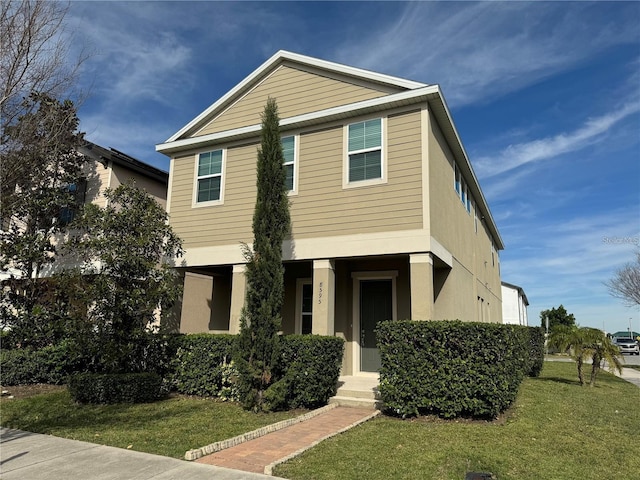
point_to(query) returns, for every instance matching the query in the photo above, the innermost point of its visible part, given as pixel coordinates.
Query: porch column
(324, 295)
(421, 279)
(238, 293)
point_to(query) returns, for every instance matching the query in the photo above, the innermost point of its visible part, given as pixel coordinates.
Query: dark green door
(376, 304)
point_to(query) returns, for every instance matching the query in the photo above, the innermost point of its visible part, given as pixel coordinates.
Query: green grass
(169, 427)
(555, 430)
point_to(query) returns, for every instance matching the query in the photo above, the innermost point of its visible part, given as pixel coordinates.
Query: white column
(324, 296)
(421, 279)
(238, 294)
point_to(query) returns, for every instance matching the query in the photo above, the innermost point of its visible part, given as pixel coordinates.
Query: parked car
(627, 345)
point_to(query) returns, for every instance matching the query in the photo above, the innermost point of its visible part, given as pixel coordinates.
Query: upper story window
(209, 177)
(461, 188)
(68, 212)
(289, 152)
(365, 151)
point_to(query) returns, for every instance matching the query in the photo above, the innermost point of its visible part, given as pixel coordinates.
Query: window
(461, 188)
(475, 218)
(209, 182)
(365, 150)
(304, 306)
(289, 151)
(68, 212)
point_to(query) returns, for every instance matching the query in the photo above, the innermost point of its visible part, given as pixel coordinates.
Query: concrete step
(370, 394)
(355, 402)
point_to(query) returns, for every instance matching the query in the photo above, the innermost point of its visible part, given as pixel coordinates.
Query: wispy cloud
(479, 50)
(520, 154)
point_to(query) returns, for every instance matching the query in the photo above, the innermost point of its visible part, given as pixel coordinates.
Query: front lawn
(556, 429)
(169, 427)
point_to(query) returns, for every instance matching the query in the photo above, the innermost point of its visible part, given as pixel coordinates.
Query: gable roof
(406, 92)
(284, 57)
(102, 155)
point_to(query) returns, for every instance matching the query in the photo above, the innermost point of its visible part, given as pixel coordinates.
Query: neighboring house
(107, 168)
(514, 305)
(388, 219)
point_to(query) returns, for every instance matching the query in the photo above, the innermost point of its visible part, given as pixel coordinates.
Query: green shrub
(52, 364)
(306, 377)
(536, 350)
(199, 363)
(99, 388)
(450, 368)
(310, 367)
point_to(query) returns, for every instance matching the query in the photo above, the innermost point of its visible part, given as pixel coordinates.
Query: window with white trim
(365, 150)
(304, 306)
(209, 178)
(456, 179)
(289, 153)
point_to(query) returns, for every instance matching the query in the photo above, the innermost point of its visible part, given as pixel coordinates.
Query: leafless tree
(35, 54)
(625, 284)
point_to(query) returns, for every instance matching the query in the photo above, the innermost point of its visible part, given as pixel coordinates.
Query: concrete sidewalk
(631, 375)
(32, 456)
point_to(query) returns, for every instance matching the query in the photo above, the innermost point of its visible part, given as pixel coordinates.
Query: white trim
(210, 203)
(383, 155)
(321, 116)
(280, 57)
(418, 258)
(355, 320)
(296, 161)
(300, 282)
(338, 246)
(170, 185)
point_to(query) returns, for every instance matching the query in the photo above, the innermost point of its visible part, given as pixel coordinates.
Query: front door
(376, 304)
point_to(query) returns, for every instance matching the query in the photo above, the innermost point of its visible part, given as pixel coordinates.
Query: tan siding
(454, 228)
(322, 207)
(297, 92)
(158, 190)
(97, 176)
(229, 223)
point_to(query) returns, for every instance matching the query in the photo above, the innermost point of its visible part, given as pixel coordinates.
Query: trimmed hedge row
(198, 363)
(311, 367)
(103, 388)
(25, 366)
(308, 376)
(453, 368)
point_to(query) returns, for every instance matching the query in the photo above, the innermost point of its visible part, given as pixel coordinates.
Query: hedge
(104, 388)
(307, 378)
(52, 364)
(311, 367)
(451, 368)
(198, 363)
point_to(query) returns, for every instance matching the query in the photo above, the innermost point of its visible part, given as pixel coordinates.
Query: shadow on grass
(556, 380)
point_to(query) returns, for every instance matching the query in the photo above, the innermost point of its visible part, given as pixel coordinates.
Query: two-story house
(388, 218)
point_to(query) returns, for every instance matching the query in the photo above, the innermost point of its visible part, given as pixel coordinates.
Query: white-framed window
(304, 306)
(209, 181)
(289, 153)
(365, 158)
(461, 188)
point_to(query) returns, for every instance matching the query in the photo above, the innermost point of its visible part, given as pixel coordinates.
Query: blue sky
(545, 96)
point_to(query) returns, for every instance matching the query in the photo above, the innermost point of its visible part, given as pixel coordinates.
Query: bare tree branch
(625, 284)
(34, 54)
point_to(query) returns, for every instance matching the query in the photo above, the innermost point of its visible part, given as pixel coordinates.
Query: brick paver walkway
(255, 455)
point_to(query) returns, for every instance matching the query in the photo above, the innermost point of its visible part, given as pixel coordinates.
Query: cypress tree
(258, 346)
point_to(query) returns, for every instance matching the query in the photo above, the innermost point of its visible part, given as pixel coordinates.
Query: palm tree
(584, 343)
(603, 350)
